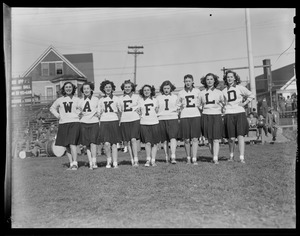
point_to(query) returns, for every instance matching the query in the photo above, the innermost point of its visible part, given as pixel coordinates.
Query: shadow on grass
(210, 159)
(85, 164)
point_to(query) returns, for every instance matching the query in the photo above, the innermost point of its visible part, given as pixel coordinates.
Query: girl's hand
(100, 112)
(242, 104)
(223, 110)
(156, 109)
(139, 111)
(97, 115)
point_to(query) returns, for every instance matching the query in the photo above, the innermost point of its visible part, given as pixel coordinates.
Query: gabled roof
(78, 58)
(290, 82)
(280, 77)
(63, 58)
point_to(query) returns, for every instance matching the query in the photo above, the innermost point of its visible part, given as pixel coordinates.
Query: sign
(21, 90)
(21, 87)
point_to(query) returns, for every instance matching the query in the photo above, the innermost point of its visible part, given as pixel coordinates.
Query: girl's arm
(138, 107)
(156, 105)
(179, 104)
(100, 108)
(248, 94)
(54, 109)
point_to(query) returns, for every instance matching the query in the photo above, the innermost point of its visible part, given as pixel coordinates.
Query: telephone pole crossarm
(135, 52)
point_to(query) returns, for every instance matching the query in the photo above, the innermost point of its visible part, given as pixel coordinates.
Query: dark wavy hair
(92, 86)
(167, 82)
(62, 90)
(106, 82)
(189, 76)
(152, 88)
(133, 86)
(216, 79)
(235, 75)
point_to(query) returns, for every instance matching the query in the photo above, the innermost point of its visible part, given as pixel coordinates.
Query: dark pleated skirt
(190, 128)
(212, 126)
(130, 130)
(110, 132)
(68, 133)
(236, 125)
(150, 134)
(89, 133)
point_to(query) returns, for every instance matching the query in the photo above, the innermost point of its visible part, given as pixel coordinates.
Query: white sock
(231, 155)
(241, 157)
(148, 158)
(94, 159)
(215, 158)
(173, 156)
(152, 160)
(115, 163)
(136, 159)
(189, 158)
(91, 163)
(75, 163)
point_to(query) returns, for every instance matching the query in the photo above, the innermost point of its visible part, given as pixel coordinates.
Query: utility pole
(135, 53)
(268, 77)
(250, 60)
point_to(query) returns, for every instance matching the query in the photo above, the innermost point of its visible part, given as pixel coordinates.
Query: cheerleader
(212, 101)
(109, 132)
(190, 128)
(150, 134)
(168, 118)
(130, 120)
(235, 120)
(66, 109)
(89, 122)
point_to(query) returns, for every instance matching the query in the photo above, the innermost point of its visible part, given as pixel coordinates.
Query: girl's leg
(195, 149)
(129, 149)
(126, 146)
(231, 144)
(134, 148)
(108, 154)
(74, 155)
(68, 151)
(89, 155)
(241, 141)
(148, 153)
(187, 146)
(173, 149)
(211, 146)
(166, 149)
(115, 155)
(153, 154)
(216, 148)
(94, 154)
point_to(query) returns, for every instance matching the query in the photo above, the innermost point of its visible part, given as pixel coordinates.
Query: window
(57, 90)
(45, 69)
(49, 92)
(59, 68)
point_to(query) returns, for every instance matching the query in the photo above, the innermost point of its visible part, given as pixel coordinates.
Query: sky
(176, 41)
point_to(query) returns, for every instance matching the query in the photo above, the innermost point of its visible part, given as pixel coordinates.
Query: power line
(188, 63)
(285, 50)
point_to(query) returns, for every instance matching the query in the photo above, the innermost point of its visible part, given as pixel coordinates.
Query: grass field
(258, 194)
